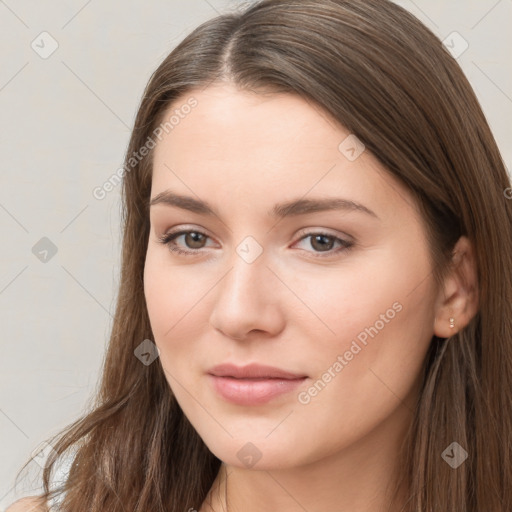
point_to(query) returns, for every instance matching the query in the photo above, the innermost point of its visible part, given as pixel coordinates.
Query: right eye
(193, 239)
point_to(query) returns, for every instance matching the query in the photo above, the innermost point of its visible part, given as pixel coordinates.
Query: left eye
(323, 242)
(196, 240)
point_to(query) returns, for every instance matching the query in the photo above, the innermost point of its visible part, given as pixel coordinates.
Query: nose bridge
(245, 299)
(248, 277)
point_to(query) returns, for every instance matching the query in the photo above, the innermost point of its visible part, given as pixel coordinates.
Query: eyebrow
(287, 209)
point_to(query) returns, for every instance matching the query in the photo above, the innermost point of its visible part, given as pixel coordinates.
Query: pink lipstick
(252, 384)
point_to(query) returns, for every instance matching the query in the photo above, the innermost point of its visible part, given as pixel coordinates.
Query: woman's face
(281, 268)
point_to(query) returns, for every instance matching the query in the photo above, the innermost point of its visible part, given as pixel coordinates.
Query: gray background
(66, 121)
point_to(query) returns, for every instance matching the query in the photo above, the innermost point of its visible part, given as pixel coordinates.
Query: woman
(314, 310)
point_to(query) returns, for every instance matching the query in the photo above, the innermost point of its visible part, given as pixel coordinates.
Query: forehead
(274, 146)
(247, 119)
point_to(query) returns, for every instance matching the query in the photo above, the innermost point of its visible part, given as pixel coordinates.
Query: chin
(257, 452)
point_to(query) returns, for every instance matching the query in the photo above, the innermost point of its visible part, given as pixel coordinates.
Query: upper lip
(253, 371)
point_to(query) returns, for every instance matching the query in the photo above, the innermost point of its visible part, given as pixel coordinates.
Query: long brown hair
(384, 76)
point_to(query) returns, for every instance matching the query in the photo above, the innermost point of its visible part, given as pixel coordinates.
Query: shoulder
(30, 504)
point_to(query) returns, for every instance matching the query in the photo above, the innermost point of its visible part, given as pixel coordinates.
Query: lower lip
(253, 391)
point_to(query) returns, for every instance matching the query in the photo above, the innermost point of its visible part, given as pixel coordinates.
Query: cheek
(377, 315)
(364, 372)
(173, 299)
(171, 293)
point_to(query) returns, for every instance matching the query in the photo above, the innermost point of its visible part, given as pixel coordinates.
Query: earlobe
(458, 302)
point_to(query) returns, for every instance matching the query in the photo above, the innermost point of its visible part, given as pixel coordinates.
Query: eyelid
(186, 228)
(183, 229)
(316, 230)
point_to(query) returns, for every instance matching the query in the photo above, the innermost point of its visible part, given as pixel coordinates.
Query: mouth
(253, 371)
(253, 384)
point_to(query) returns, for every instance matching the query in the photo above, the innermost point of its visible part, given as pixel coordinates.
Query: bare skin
(299, 305)
(28, 504)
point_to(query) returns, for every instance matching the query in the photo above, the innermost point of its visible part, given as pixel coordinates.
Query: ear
(458, 297)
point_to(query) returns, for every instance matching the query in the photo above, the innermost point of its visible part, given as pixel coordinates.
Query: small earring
(452, 323)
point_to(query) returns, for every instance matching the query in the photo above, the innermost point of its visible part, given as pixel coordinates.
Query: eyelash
(168, 239)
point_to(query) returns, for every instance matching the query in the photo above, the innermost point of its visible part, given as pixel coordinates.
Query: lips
(253, 371)
(253, 384)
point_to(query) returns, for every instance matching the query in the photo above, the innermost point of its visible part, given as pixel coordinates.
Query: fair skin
(298, 306)
(29, 504)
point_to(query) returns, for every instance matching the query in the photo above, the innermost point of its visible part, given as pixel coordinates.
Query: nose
(248, 301)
